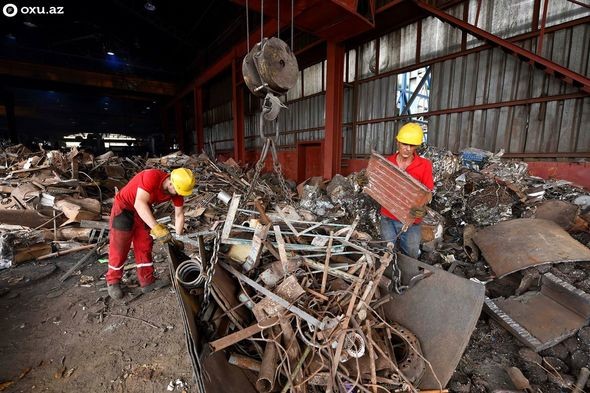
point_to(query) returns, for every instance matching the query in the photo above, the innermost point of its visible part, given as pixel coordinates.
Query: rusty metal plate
(394, 189)
(514, 245)
(543, 319)
(441, 310)
(561, 212)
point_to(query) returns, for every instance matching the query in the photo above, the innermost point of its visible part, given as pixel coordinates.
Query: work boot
(115, 291)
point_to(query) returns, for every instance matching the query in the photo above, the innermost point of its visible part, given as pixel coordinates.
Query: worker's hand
(160, 233)
(418, 211)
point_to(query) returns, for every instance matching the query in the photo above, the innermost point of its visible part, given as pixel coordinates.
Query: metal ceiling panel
(514, 245)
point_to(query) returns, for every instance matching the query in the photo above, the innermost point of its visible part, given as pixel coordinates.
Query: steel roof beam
(564, 74)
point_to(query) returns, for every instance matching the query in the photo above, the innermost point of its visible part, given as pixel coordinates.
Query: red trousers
(125, 227)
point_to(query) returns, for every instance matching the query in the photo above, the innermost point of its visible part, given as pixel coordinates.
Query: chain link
(259, 166)
(279, 172)
(209, 273)
(269, 144)
(396, 276)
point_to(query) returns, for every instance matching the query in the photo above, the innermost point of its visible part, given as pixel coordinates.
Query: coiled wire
(190, 274)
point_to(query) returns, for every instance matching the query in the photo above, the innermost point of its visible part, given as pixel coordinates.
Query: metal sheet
(394, 189)
(561, 212)
(441, 310)
(514, 245)
(543, 319)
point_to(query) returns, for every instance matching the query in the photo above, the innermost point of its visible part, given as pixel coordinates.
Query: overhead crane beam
(88, 79)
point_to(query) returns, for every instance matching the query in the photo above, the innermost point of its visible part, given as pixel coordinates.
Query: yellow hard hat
(410, 134)
(183, 181)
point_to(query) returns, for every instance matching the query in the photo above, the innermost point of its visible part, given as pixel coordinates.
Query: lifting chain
(269, 144)
(396, 276)
(209, 273)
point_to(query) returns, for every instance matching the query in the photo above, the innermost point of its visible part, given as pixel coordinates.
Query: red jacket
(420, 169)
(149, 180)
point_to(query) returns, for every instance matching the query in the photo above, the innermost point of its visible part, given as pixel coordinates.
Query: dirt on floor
(71, 337)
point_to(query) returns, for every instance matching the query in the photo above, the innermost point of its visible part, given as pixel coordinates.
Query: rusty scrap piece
(266, 378)
(449, 307)
(515, 245)
(394, 189)
(242, 361)
(543, 319)
(243, 334)
(581, 381)
(519, 381)
(260, 234)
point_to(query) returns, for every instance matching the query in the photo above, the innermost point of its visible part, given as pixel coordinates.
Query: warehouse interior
(97, 92)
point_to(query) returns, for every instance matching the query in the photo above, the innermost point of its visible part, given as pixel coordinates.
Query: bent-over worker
(409, 138)
(132, 220)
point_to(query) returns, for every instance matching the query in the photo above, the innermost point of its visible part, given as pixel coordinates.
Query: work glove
(362, 178)
(160, 233)
(418, 211)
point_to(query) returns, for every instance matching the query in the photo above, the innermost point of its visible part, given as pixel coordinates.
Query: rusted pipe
(244, 362)
(268, 367)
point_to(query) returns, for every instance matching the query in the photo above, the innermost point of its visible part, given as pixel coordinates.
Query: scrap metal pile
(301, 304)
(304, 299)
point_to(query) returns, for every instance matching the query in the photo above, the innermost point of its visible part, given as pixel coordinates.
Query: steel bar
(80, 263)
(579, 3)
(231, 215)
(319, 268)
(346, 321)
(243, 334)
(326, 265)
(539, 49)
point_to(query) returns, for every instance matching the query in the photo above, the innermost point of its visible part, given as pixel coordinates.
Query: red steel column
(199, 133)
(334, 97)
(237, 107)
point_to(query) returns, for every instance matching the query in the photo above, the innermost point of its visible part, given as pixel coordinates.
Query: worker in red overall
(132, 220)
(409, 137)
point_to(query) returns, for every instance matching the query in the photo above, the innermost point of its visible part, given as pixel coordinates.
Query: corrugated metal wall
(493, 76)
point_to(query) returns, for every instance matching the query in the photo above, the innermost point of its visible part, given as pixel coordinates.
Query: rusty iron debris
(522, 243)
(541, 319)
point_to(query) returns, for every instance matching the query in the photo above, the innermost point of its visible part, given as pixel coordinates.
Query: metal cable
(261, 20)
(247, 26)
(292, 25)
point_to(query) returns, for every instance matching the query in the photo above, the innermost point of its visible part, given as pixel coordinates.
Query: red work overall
(126, 226)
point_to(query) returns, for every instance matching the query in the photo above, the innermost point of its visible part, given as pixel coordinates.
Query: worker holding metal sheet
(409, 138)
(132, 220)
